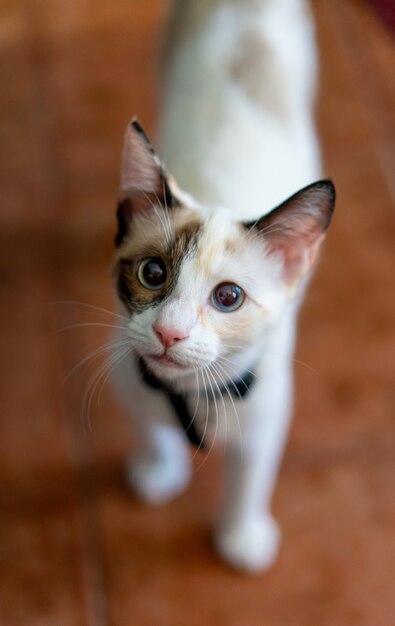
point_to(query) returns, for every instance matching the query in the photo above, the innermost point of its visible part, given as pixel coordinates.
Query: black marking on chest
(239, 389)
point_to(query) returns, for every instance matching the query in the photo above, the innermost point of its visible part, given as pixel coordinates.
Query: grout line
(90, 534)
(52, 192)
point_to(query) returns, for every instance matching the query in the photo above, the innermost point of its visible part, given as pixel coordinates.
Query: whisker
(198, 393)
(82, 324)
(165, 203)
(206, 419)
(89, 306)
(275, 227)
(209, 375)
(221, 395)
(86, 399)
(164, 218)
(297, 361)
(166, 226)
(230, 380)
(306, 365)
(233, 369)
(100, 350)
(218, 368)
(94, 382)
(115, 365)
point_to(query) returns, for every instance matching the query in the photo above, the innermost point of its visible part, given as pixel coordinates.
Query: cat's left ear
(143, 182)
(296, 228)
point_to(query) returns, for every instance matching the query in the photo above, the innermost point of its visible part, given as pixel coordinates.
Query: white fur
(222, 146)
(227, 150)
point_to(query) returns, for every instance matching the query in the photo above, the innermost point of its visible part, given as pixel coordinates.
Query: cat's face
(198, 285)
(202, 291)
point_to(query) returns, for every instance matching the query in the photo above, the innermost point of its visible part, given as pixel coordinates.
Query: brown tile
(18, 157)
(337, 554)
(73, 540)
(33, 427)
(39, 569)
(347, 332)
(379, 40)
(100, 60)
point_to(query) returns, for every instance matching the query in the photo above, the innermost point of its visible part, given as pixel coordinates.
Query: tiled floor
(75, 548)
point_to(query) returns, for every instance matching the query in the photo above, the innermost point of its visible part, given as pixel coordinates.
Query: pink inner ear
(296, 228)
(298, 259)
(298, 244)
(140, 169)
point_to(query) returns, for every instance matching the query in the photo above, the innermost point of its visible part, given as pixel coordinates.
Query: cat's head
(198, 285)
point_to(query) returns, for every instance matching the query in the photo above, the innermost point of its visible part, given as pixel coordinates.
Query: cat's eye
(227, 297)
(152, 273)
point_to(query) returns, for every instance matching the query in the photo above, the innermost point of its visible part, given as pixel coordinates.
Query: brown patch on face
(131, 291)
(257, 70)
(185, 242)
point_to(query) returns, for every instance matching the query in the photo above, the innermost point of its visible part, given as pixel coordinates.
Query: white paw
(157, 481)
(252, 546)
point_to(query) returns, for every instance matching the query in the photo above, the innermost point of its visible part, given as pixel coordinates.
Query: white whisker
(217, 368)
(216, 419)
(82, 324)
(100, 350)
(111, 369)
(233, 369)
(90, 306)
(221, 395)
(207, 416)
(95, 381)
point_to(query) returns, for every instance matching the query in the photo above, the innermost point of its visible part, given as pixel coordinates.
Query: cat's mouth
(168, 366)
(164, 359)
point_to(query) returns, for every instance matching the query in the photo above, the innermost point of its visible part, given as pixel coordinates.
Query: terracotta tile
(381, 47)
(341, 114)
(40, 572)
(347, 332)
(89, 315)
(39, 569)
(337, 554)
(100, 72)
(18, 161)
(73, 539)
(34, 431)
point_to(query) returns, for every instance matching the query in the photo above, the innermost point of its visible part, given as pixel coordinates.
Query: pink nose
(169, 336)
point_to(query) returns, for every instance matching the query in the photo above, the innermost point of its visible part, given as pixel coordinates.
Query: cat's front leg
(247, 536)
(160, 469)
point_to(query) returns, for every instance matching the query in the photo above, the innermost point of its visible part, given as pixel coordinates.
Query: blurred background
(75, 547)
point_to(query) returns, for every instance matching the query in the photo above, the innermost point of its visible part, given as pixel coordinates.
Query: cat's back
(238, 84)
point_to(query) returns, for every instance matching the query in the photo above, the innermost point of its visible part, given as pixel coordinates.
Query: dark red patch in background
(386, 10)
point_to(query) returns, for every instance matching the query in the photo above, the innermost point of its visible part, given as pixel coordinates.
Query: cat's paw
(157, 481)
(252, 546)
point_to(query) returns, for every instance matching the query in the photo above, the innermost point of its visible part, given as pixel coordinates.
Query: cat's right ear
(143, 184)
(295, 229)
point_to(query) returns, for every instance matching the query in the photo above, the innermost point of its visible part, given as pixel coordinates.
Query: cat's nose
(169, 336)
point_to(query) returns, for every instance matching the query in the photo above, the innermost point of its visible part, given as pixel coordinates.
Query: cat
(211, 273)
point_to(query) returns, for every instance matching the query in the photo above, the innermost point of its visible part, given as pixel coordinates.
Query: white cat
(212, 281)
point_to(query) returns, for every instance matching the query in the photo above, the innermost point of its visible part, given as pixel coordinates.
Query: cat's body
(239, 86)
(212, 290)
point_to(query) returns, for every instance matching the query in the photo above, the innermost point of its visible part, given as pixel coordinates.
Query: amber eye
(227, 297)
(152, 273)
